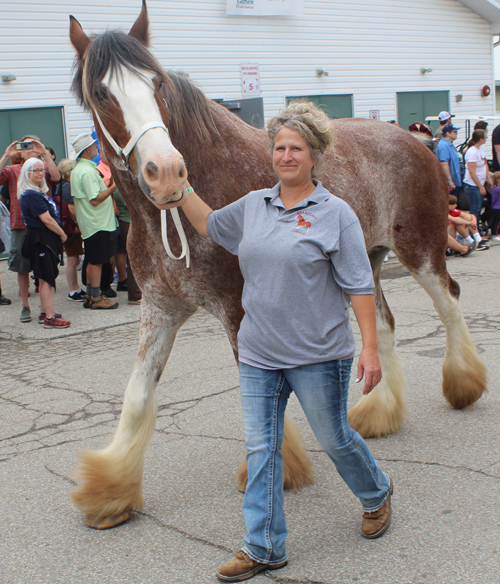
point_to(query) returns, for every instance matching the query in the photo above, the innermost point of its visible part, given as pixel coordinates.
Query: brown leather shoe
(102, 302)
(242, 568)
(375, 523)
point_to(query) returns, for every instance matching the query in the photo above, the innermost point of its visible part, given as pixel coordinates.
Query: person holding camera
(29, 147)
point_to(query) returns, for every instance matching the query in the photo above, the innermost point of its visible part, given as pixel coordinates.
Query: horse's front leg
(111, 479)
(384, 409)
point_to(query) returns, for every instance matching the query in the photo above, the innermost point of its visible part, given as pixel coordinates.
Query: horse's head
(120, 82)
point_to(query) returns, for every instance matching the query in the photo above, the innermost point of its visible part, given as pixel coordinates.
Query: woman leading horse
(295, 335)
(369, 165)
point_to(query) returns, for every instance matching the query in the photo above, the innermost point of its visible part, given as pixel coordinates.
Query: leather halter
(124, 153)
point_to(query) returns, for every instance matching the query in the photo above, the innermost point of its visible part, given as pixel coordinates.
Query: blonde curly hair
(65, 167)
(310, 121)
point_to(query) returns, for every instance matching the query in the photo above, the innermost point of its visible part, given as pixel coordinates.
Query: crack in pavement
(71, 481)
(182, 532)
(49, 410)
(195, 538)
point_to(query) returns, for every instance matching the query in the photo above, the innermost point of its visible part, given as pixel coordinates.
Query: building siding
(372, 49)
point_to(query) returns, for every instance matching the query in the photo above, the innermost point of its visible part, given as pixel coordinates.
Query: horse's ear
(140, 30)
(78, 38)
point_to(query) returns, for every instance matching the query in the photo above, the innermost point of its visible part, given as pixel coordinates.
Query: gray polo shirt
(299, 265)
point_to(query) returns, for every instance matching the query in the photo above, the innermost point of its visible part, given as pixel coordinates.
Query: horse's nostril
(182, 170)
(151, 167)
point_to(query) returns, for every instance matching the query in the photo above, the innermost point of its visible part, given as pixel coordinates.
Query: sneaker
(375, 523)
(4, 301)
(26, 314)
(110, 293)
(242, 567)
(76, 297)
(482, 246)
(496, 238)
(122, 286)
(101, 303)
(42, 315)
(56, 322)
(134, 302)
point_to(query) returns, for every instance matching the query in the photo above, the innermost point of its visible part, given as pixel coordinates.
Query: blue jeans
(322, 390)
(475, 200)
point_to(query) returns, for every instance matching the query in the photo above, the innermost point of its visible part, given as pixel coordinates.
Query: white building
(392, 59)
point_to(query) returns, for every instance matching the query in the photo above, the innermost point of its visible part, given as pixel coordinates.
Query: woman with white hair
(43, 245)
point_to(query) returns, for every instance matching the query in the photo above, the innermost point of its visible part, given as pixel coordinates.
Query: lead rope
(180, 231)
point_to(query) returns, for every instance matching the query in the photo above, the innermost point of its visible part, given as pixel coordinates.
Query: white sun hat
(81, 143)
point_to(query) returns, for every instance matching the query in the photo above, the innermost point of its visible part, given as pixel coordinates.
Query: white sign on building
(265, 7)
(250, 82)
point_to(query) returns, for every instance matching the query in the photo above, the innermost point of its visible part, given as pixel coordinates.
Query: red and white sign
(374, 115)
(250, 82)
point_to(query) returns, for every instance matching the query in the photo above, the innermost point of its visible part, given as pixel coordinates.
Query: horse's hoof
(108, 522)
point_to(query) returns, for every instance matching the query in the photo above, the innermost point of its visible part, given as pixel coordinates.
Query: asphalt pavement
(61, 391)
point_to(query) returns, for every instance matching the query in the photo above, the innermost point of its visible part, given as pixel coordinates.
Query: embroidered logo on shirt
(304, 222)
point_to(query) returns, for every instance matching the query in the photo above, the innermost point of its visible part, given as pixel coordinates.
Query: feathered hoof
(463, 388)
(373, 417)
(109, 490)
(464, 375)
(107, 522)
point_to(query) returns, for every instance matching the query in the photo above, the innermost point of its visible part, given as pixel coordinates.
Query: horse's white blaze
(160, 164)
(464, 375)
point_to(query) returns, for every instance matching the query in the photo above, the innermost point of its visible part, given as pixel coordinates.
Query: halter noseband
(124, 153)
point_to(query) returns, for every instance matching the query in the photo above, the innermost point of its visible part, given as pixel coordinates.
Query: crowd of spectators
(75, 205)
(468, 172)
(78, 201)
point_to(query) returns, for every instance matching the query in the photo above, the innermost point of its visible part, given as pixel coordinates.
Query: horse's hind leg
(297, 466)
(464, 374)
(384, 409)
(111, 484)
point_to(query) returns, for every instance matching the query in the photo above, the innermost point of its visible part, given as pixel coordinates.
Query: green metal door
(45, 122)
(336, 106)
(415, 106)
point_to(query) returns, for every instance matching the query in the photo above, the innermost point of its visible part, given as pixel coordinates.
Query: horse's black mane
(108, 52)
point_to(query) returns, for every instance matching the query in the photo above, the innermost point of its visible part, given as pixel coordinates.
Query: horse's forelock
(109, 53)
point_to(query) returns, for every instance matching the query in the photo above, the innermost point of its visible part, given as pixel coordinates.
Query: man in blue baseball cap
(448, 156)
